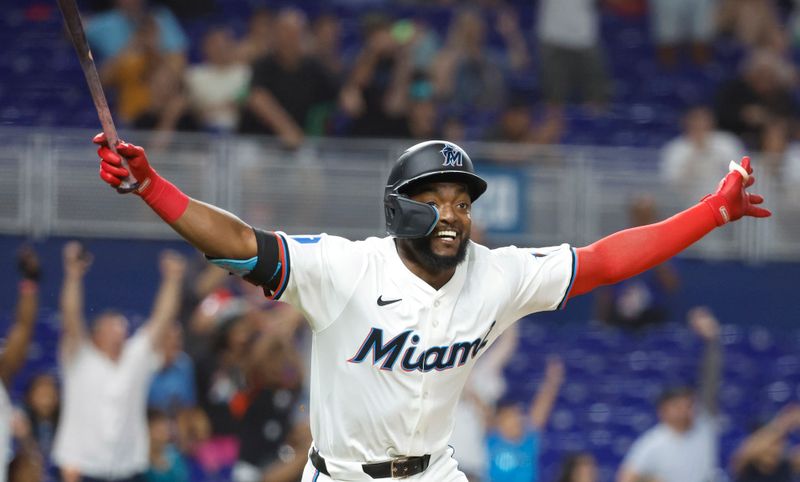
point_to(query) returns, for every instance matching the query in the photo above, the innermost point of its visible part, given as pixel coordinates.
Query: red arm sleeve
(632, 251)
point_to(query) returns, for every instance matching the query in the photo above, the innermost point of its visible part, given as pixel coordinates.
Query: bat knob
(127, 187)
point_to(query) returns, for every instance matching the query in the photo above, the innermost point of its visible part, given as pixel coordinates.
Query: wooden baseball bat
(72, 19)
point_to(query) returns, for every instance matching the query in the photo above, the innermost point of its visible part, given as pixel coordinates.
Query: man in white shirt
(693, 160)
(16, 346)
(683, 446)
(102, 434)
(399, 321)
(219, 85)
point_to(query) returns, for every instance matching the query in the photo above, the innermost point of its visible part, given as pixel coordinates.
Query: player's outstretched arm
(167, 303)
(215, 232)
(73, 326)
(632, 251)
(20, 335)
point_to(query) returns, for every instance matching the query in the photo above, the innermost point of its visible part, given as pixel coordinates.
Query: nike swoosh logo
(382, 302)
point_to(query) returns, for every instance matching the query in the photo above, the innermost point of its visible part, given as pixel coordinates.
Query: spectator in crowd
(211, 314)
(102, 434)
(422, 119)
(578, 467)
(202, 279)
(42, 407)
(793, 24)
(515, 442)
(326, 34)
(517, 125)
(217, 86)
(376, 94)
(173, 387)
(571, 52)
(763, 456)
(192, 431)
(166, 463)
(789, 174)
(221, 378)
(677, 22)
(259, 39)
(287, 84)
(484, 387)
(111, 32)
(467, 74)
(16, 346)
(274, 441)
(421, 116)
(777, 150)
(692, 160)
(644, 299)
(683, 446)
(128, 72)
(168, 110)
(754, 23)
(28, 464)
(763, 92)
(26, 467)
(426, 46)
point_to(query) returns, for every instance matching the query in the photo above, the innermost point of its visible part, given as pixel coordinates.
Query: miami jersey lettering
(391, 354)
(443, 357)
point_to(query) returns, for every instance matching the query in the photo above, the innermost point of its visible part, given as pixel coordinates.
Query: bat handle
(129, 184)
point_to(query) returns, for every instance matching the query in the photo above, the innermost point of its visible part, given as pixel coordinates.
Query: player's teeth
(446, 234)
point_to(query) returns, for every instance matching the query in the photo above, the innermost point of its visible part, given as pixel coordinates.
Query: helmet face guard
(427, 162)
(408, 219)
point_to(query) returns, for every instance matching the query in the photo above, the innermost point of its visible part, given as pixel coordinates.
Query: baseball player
(399, 321)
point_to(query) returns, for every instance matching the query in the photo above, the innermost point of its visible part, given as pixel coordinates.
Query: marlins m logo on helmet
(452, 156)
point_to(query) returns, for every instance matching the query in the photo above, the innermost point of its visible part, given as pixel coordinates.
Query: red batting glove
(732, 201)
(111, 170)
(161, 195)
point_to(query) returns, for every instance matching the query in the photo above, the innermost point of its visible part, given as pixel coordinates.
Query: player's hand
(111, 170)
(172, 265)
(28, 264)
(732, 201)
(76, 259)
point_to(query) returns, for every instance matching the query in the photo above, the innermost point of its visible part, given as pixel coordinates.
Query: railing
(537, 195)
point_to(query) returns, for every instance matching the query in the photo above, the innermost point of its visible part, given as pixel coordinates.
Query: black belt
(397, 468)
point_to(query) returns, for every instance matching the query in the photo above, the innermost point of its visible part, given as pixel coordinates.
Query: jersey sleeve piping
(563, 303)
(284, 266)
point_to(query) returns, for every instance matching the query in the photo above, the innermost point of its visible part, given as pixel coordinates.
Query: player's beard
(433, 262)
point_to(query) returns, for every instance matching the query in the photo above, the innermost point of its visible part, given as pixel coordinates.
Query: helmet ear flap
(408, 219)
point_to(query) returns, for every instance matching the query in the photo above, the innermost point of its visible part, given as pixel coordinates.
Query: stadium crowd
(482, 74)
(214, 386)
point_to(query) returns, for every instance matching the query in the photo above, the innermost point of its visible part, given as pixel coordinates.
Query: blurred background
(585, 117)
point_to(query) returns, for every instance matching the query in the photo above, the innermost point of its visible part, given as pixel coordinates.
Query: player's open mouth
(447, 235)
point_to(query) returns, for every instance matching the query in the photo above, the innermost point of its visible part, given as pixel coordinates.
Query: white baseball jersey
(390, 353)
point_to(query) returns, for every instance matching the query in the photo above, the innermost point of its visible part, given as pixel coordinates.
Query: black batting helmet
(430, 161)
